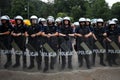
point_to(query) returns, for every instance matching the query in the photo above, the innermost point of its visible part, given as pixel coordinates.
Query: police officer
(88, 24)
(5, 38)
(113, 35)
(66, 31)
(50, 35)
(41, 40)
(92, 38)
(43, 22)
(33, 33)
(18, 34)
(58, 22)
(100, 34)
(83, 33)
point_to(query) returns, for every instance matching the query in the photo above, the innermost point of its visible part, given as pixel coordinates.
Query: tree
(98, 9)
(115, 10)
(5, 6)
(76, 12)
(72, 8)
(60, 14)
(19, 7)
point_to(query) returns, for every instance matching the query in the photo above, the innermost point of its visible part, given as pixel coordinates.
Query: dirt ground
(93, 74)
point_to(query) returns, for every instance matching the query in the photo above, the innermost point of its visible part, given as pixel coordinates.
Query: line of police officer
(58, 36)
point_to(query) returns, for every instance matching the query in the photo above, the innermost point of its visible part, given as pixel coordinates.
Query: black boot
(52, 63)
(70, 66)
(80, 60)
(109, 59)
(45, 69)
(109, 63)
(87, 61)
(63, 62)
(46, 59)
(24, 62)
(93, 59)
(70, 62)
(114, 57)
(114, 62)
(17, 64)
(31, 66)
(39, 61)
(101, 59)
(9, 61)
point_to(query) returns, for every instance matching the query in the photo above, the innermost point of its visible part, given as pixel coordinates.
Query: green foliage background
(60, 8)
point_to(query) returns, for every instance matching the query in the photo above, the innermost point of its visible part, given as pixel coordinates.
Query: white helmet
(43, 19)
(100, 20)
(88, 20)
(111, 22)
(4, 18)
(94, 21)
(115, 19)
(33, 17)
(50, 17)
(39, 19)
(76, 23)
(7, 17)
(82, 20)
(66, 18)
(50, 20)
(58, 20)
(19, 17)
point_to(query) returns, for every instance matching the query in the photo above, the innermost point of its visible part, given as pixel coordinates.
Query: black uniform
(66, 30)
(99, 35)
(113, 35)
(6, 41)
(34, 43)
(20, 41)
(80, 50)
(53, 43)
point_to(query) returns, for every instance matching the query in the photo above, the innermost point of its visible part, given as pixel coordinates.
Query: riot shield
(86, 48)
(63, 45)
(114, 45)
(99, 45)
(31, 48)
(48, 48)
(15, 46)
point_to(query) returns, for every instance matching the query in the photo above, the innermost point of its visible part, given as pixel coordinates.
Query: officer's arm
(13, 34)
(39, 33)
(5, 33)
(88, 35)
(60, 34)
(94, 36)
(43, 34)
(79, 35)
(55, 34)
(119, 39)
(26, 34)
(105, 34)
(72, 35)
(108, 39)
